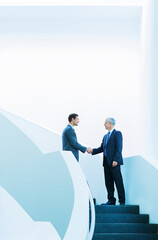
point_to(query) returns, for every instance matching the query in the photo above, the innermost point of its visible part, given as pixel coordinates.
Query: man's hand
(89, 150)
(114, 164)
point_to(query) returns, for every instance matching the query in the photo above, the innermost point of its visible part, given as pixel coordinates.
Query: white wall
(148, 83)
(58, 60)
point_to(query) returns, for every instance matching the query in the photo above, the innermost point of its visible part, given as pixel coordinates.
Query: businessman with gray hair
(111, 147)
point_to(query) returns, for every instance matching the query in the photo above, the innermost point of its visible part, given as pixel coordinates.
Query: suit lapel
(111, 136)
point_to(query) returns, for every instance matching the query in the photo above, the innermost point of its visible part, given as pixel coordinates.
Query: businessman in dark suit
(111, 147)
(69, 138)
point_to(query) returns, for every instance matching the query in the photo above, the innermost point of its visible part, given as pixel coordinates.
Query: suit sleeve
(98, 150)
(73, 141)
(118, 142)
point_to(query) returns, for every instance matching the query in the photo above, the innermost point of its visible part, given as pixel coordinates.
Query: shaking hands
(89, 150)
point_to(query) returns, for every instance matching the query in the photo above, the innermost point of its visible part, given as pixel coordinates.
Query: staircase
(123, 223)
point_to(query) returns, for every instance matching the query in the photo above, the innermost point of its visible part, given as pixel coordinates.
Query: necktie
(107, 139)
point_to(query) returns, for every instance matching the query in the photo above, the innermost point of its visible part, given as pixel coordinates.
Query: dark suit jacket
(70, 143)
(113, 148)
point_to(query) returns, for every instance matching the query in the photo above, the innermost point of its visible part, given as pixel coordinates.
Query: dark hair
(72, 115)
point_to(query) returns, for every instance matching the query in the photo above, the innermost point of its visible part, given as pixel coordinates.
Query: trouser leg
(117, 176)
(109, 183)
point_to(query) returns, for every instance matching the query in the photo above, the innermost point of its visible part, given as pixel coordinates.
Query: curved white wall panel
(49, 140)
(46, 187)
(78, 231)
(16, 224)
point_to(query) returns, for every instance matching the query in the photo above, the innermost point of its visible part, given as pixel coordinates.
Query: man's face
(75, 121)
(107, 125)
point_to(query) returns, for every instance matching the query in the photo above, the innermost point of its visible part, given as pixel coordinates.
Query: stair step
(125, 236)
(125, 228)
(130, 209)
(122, 218)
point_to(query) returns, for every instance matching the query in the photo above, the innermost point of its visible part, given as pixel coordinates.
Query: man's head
(73, 119)
(109, 123)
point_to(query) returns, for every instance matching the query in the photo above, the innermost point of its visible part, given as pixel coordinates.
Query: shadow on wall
(28, 176)
(141, 179)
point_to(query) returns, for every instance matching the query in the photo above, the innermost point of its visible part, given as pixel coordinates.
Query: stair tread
(125, 236)
(121, 214)
(132, 209)
(121, 218)
(116, 206)
(115, 222)
(129, 224)
(125, 228)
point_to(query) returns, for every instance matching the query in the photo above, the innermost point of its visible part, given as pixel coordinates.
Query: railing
(92, 222)
(79, 229)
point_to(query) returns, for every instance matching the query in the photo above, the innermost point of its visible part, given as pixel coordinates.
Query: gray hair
(111, 120)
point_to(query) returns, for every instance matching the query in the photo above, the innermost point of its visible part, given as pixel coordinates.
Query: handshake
(89, 150)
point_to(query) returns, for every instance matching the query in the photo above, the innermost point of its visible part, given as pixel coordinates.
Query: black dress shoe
(122, 203)
(108, 203)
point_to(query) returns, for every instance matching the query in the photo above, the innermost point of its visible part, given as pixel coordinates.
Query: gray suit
(70, 143)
